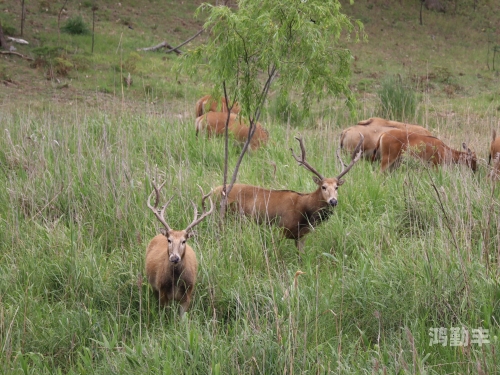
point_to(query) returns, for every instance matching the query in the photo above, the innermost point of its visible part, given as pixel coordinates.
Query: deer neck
(314, 202)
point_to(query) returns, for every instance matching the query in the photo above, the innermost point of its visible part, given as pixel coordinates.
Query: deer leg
(183, 306)
(300, 245)
(164, 300)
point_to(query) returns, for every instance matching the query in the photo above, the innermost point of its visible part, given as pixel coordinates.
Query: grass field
(403, 254)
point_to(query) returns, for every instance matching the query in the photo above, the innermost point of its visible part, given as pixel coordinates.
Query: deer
(393, 143)
(377, 121)
(495, 156)
(171, 264)
(371, 130)
(214, 123)
(210, 104)
(295, 213)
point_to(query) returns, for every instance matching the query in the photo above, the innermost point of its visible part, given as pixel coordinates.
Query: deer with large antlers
(171, 264)
(296, 213)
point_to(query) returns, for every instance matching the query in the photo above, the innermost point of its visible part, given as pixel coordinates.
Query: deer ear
(317, 180)
(191, 233)
(164, 232)
(340, 182)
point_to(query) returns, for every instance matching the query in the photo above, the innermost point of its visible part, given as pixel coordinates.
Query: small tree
(292, 44)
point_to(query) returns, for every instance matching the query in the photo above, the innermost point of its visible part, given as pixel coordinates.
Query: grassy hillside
(403, 254)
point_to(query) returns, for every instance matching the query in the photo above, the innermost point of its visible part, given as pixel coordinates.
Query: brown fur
(349, 138)
(495, 156)
(172, 281)
(209, 104)
(393, 143)
(295, 212)
(215, 123)
(377, 121)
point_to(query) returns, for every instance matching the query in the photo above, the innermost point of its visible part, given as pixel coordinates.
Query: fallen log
(170, 48)
(17, 54)
(161, 45)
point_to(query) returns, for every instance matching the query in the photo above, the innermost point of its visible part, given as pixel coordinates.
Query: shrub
(398, 99)
(8, 29)
(76, 26)
(285, 110)
(62, 66)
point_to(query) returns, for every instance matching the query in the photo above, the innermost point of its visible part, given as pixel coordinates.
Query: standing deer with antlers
(171, 264)
(296, 213)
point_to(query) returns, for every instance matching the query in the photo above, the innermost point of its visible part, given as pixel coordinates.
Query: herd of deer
(171, 264)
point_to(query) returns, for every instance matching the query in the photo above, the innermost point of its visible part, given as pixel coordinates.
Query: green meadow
(402, 279)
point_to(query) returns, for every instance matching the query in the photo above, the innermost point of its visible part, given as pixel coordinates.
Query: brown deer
(296, 213)
(371, 130)
(349, 138)
(377, 121)
(209, 104)
(495, 156)
(214, 123)
(171, 264)
(393, 143)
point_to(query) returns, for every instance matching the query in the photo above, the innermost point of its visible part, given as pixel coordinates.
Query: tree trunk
(23, 16)
(421, 6)
(3, 41)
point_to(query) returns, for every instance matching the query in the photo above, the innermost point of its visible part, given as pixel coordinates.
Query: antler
(356, 155)
(160, 214)
(204, 214)
(302, 161)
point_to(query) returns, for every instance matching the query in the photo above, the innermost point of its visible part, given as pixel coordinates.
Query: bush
(285, 110)
(9, 30)
(398, 99)
(76, 26)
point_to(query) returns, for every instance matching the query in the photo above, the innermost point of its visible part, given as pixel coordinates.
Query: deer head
(329, 186)
(177, 238)
(470, 158)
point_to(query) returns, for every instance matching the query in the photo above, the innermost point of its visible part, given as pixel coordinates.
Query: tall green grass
(403, 253)
(398, 99)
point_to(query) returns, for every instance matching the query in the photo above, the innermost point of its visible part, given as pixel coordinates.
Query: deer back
(215, 122)
(349, 138)
(209, 104)
(412, 128)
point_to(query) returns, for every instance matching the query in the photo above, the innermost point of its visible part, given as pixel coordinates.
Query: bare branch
(16, 54)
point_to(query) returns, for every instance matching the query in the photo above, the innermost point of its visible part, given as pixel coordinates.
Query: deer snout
(174, 258)
(333, 202)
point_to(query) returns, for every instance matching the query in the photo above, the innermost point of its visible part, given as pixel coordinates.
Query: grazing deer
(495, 156)
(296, 213)
(371, 130)
(215, 123)
(377, 121)
(349, 138)
(393, 143)
(209, 104)
(171, 264)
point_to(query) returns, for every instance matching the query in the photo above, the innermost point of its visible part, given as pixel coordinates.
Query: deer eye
(169, 241)
(183, 242)
(323, 187)
(336, 188)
